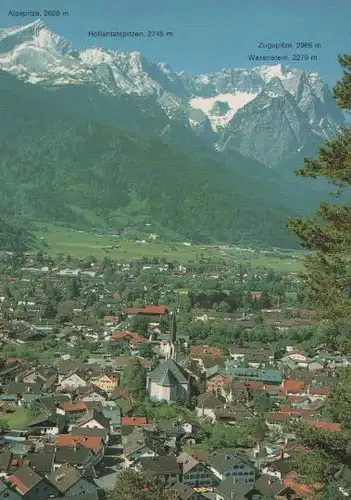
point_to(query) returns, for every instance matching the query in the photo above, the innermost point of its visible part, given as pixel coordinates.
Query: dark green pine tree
(327, 235)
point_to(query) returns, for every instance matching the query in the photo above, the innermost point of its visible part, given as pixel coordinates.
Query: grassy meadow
(80, 244)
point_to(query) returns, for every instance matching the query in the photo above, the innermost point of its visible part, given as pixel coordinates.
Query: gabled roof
(74, 407)
(64, 478)
(88, 432)
(25, 479)
(222, 461)
(293, 386)
(199, 350)
(134, 420)
(44, 418)
(148, 310)
(276, 417)
(69, 454)
(93, 443)
(160, 465)
(68, 366)
(93, 389)
(79, 373)
(5, 458)
(94, 415)
(188, 462)
(3, 486)
(42, 462)
(23, 387)
(305, 489)
(50, 401)
(45, 372)
(229, 487)
(124, 404)
(208, 400)
(319, 391)
(324, 424)
(185, 492)
(168, 371)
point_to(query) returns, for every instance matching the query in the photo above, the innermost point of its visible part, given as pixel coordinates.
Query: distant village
(199, 374)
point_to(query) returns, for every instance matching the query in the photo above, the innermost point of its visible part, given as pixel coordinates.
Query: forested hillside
(67, 151)
(14, 236)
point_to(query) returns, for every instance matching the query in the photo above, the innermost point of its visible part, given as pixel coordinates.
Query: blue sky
(208, 34)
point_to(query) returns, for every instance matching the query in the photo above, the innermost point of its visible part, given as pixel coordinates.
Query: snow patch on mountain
(235, 101)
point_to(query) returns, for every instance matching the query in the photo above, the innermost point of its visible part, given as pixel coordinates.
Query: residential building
(226, 463)
(165, 467)
(194, 472)
(7, 493)
(32, 486)
(70, 483)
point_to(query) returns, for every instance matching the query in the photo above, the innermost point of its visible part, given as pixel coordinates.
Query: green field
(80, 244)
(17, 419)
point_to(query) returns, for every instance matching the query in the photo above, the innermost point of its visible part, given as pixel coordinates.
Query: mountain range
(107, 137)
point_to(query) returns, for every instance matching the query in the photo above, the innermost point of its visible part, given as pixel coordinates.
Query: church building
(169, 381)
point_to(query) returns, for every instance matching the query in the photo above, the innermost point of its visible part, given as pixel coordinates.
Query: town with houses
(200, 375)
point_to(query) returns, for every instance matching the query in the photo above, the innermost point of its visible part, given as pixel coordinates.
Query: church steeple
(173, 333)
(173, 337)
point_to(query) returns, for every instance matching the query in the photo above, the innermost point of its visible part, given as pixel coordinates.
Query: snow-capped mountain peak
(36, 34)
(249, 109)
(19, 31)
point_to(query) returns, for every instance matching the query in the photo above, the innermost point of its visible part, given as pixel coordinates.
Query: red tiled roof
(119, 335)
(221, 380)
(319, 391)
(324, 424)
(276, 417)
(293, 386)
(133, 336)
(289, 410)
(309, 489)
(296, 351)
(139, 340)
(72, 407)
(254, 384)
(293, 399)
(133, 420)
(199, 350)
(148, 310)
(20, 486)
(92, 443)
(308, 414)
